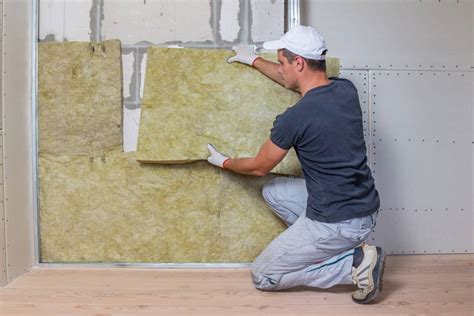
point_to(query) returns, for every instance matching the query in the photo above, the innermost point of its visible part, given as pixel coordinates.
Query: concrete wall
(141, 23)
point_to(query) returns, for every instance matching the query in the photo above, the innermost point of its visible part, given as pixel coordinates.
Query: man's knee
(263, 282)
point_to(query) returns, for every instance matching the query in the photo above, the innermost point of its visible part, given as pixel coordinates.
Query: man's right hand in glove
(244, 54)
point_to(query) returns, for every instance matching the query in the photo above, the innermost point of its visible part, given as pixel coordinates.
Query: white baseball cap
(304, 41)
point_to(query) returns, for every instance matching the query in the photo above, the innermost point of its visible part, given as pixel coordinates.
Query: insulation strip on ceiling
(193, 97)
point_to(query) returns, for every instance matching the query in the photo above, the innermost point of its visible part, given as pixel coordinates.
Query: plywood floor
(430, 285)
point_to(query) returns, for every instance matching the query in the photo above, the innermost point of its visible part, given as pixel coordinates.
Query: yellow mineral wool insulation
(193, 97)
(110, 208)
(247, 225)
(80, 97)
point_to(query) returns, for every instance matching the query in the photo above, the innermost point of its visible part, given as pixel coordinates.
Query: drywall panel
(3, 256)
(426, 105)
(67, 20)
(424, 232)
(80, 97)
(17, 137)
(3, 245)
(192, 107)
(267, 19)
(422, 160)
(1, 64)
(424, 176)
(157, 21)
(110, 208)
(395, 34)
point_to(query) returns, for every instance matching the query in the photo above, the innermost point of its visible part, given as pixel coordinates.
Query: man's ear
(300, 64)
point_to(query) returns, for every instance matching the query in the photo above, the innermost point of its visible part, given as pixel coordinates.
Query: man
(330, 212)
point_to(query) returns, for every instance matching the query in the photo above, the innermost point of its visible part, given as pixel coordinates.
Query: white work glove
(216, 158)
(244, 54)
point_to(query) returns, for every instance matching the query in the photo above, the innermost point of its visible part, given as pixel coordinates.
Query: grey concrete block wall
(139, 24)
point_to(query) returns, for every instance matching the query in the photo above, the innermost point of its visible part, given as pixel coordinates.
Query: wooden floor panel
(429, 284)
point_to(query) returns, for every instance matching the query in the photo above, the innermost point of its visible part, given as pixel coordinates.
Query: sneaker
(368, 274)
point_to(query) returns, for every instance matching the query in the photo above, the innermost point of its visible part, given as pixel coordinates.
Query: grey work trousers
(309, 252)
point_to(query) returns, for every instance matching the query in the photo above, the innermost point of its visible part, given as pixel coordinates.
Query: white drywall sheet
(395, 34)
(422, 160)
(17, 136)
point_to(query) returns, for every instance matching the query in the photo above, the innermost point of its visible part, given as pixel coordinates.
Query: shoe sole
(379, 280)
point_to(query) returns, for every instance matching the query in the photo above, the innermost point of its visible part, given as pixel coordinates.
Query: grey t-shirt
(325, 128)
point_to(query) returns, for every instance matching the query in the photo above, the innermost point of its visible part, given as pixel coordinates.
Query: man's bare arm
(269, 69)
(267, 158)
(245, 54)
